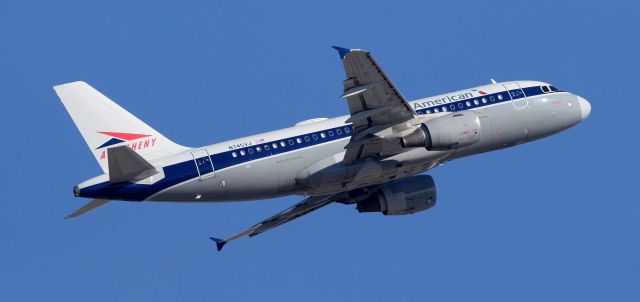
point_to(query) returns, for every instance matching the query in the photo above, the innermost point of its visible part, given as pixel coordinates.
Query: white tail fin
(104, 124)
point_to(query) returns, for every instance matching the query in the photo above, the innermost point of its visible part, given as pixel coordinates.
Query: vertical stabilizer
(104, 124)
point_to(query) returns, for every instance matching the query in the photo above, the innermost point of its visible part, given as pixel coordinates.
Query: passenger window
(258, 149)
(242, 153)
(484, 100)
(339, 132)
(323, 135)
(274, 145)
(500, 97)
(545, 89)
(266, 147)
(282, 143)
(492, 98)
(299, 140)
(347, 129)
(428, 111)
(436, 110)
(444, 108)
(476, 102)
(460, 105)
(290, 142)
(234, 154)
(330, 133)
(315, 137)
(468, 104)
(306, 138)
(250, 150)
(452, 106)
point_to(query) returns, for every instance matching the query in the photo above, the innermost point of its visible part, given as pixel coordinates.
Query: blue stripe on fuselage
(174, 174)
(226, 159)
(184, 171)
(482, 100)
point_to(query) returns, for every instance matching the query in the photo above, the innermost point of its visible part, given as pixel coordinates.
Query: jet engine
(448, 132)
(405, 196)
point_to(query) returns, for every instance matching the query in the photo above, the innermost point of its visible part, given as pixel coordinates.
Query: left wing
(378, 111)
(306, 206)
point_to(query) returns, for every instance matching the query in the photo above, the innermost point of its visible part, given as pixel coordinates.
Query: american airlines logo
(447, 99)
(135, 141)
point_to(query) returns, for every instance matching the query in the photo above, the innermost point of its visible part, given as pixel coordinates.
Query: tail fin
(104, 124)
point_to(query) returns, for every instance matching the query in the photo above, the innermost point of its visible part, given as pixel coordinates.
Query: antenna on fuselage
(493, 81)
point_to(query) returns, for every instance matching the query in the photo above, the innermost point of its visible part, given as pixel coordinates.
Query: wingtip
(341, 51)
(219, 243)
(69, 85)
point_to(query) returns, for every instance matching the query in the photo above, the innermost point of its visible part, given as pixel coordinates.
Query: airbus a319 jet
(372, 158)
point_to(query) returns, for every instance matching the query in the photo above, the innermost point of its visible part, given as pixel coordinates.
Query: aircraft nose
(585, 107)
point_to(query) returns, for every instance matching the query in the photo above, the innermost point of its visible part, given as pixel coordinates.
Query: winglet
(341, 51)
(219, 243)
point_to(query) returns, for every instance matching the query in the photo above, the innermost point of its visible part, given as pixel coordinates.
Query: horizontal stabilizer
(92, 205)
(127, 165)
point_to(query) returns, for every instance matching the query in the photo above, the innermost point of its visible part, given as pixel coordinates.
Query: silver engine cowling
(448, 132)
(405, 196)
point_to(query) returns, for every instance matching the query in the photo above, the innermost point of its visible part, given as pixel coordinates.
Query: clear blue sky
(557, 219)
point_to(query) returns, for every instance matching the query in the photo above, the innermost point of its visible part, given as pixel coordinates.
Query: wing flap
(367, 114)
(353, 91)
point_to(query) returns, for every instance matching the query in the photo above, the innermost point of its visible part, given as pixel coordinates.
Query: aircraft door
(517, 95)
(203, 163)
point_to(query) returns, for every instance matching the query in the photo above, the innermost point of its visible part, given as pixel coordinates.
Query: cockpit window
(549, 89)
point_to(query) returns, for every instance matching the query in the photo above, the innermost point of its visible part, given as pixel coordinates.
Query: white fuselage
(307, 158)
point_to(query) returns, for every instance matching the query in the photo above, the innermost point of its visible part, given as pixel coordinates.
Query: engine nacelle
(448, 132)
(405, 196)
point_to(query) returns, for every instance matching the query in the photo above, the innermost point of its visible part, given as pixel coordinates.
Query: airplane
(374, 157)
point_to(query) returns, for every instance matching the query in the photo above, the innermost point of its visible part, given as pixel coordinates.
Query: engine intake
(405, 196)
(448, 132)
